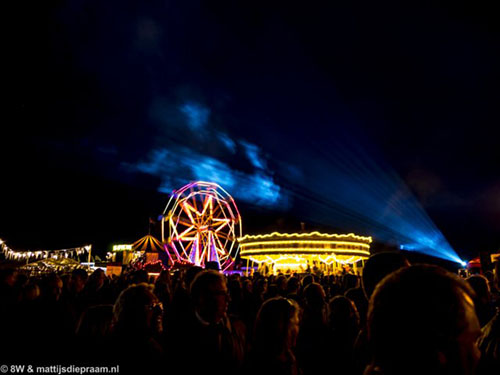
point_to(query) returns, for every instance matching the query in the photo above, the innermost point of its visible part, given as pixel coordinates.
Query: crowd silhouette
(395, 319)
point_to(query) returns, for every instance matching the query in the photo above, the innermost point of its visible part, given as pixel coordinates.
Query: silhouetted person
(95, 292)
(293, 288)
(281, 284)
(9, 317)
(358, 296)
(210, 341)
(489, 344)
(236, 292)
(484, 307)
(308, 279)
(275, 335)
(181, 307)
(51, 326)
(74, 296)
(379, 266)
(343, 321)
(376, 268)
(272, 291)
(421, 320)
(137, 322)
(313, 352)
(163, 288)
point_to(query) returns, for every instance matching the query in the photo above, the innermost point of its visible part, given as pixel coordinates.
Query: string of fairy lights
(20, 255)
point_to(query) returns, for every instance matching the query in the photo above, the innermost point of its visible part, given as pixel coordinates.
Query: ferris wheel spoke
(218, 211)
(206, 204)
(184, 223)
(224, 223)
(221, 247)
(188, 211)
(187, 239)
(194, 200)
(226, 236)
(186, 232)
(183, 247)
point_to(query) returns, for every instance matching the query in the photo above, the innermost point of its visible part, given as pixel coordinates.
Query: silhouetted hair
(342, 313)
(272, 326)
(308, 279)
(292, 284)
(202, 281)
(313, 296)
(415, 313)
(379, 266)
(128, 310)
(191, 274)
(479, 284)
(81, 273)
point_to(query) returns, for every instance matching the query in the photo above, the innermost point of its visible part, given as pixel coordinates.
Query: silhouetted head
(314, 296)
(276, 326)
(137, 311)
(293, 285)
(53, 287)
(482, 300)
(8, 277)
(281, 283)
(247, 286)
(97, 279)
(31, 291)
(421, 319)
(210, 295)
(191, 274)
(260, 286)
(308, 279)
(342, 314)
(480, 286)
(379, 266)
(78, 279)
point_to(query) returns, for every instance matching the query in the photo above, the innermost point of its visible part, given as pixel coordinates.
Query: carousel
(304, 252)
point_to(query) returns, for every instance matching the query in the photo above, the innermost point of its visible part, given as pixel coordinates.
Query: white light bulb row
(43, 254)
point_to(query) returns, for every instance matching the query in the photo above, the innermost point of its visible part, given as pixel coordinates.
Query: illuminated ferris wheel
(203, 225)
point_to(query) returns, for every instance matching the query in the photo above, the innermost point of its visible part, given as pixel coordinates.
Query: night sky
(342, 115)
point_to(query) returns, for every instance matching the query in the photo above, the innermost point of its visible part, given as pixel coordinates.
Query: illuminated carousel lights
(304, 242)
(302, 250)
(299, 235)
(297, 249)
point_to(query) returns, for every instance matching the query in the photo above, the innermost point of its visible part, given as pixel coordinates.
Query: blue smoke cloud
(227, 142)
(179, 165)
(193, 149)
(253, 154)
(196, 115)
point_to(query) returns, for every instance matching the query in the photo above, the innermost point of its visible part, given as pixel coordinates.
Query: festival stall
(50, 265)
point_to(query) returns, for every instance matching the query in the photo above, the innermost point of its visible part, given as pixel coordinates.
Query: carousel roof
(148, 244)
